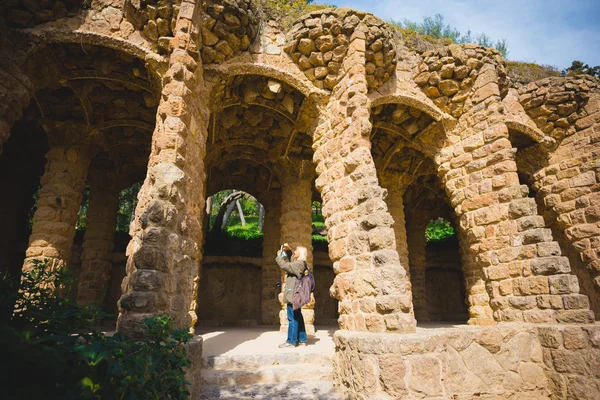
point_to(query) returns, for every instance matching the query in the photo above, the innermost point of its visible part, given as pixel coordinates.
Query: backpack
(304, 286)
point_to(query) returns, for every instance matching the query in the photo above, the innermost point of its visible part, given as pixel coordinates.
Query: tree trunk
(261, 217)
(225, 211)
(241, 212)
(208, 213)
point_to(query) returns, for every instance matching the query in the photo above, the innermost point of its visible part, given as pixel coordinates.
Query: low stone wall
(193, 350)
(500, 362)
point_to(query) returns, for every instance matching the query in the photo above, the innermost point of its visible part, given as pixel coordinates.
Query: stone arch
(58, 36)
(412, 101)
(532, 132)
(228, 71)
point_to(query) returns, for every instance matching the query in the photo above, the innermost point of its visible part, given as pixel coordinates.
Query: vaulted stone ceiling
(395, 138)
(255, 133)
(96, 97)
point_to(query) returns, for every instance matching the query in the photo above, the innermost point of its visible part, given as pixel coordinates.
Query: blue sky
(542, 31)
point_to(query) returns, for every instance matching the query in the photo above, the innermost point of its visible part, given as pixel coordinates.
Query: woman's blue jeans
(296, 328)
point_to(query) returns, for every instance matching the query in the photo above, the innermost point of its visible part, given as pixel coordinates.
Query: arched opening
(444, 276)
(92, 115)
(230, 280)
(21, 166)
(417, 201)
(562, 198)
(259, 142)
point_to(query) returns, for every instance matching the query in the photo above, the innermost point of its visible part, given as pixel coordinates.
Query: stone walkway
(229, 341)
(246, 363)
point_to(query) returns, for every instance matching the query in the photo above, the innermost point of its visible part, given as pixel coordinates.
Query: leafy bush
(435, 27)
(248, 232)
(439, 230)
(52, 356)
(529, 72)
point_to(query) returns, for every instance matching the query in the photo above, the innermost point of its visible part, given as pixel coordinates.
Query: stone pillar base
(193, 351)
(506, 361)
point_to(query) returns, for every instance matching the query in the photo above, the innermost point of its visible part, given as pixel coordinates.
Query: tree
(226, 208)
(437, 28)
(578, 67)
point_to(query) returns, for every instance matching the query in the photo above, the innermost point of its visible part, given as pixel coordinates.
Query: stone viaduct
(194, 97)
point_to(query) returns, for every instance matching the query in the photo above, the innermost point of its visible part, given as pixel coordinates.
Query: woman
(294, 268)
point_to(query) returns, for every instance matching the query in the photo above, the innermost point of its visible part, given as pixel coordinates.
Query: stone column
(165, 252)
(98, 242)
(512, 264)
(296, 229)
(418, 268)
(270, 273)
(395, 205)
(58, 206)
(371, 284)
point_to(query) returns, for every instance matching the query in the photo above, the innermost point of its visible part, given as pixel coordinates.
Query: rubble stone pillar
(512, 264)
(270, 273)
(165, 252)
(371, 284)
(58, 205)
(98, 242)
(296, 229)
(418, 268)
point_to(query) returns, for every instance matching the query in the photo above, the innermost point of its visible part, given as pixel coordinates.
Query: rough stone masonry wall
(296, 230)
(58, 205)
(502, 362)
(371, 285)
(512, 265)
(568, 179)
(165, 252)
(98, 242)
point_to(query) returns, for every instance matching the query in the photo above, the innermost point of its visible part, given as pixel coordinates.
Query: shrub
(439, 230)
(52, 355)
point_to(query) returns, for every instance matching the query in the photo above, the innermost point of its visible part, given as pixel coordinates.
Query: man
(294, 267)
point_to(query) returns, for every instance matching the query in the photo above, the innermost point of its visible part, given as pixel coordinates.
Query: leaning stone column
(270, 273)
(296, 229)
(371, 284)
(58, 205)
(164, 254)
(98, 242)
(514, 270)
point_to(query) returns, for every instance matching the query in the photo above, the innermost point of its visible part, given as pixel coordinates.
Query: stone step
(247, 362)
(296, 390)
(266, 375)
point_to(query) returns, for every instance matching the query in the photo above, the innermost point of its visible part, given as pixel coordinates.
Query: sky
(548, 32)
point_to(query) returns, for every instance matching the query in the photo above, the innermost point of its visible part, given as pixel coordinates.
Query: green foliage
(578, 67)
(250, 231)
(53, 357)
(249, 205)
(435, 27)
(529, 72)
(127, 204)
(439, 230)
